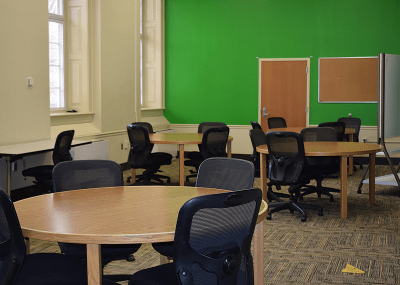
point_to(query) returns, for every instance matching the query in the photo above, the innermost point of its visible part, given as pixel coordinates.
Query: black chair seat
(109, 252)
(194, 155)
(163, 274)
(160, 158)
(39, 269)
(44, 171)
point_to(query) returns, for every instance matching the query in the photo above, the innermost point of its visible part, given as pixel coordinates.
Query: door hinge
(306, 69)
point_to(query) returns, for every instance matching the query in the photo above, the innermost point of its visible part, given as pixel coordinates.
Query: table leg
(181, 165)
(259, 254)
(27, 245)
(372, 178)
(8, 176)
(343, 186)
(263, 175)
(229, 147)
(133, 175)
(94, 267)
(350, 157)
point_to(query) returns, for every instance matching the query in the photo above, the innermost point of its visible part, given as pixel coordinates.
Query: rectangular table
(18, 151)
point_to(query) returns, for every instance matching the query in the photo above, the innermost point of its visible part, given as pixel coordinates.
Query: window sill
(64, 118)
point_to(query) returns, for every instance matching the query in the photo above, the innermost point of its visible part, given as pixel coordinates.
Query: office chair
(276, 122)
(140, 156)
(61, 152)
(320, 166)
(352, 123)
(42, 268)
(149, 128)
(257, 137)
(196, 155)
(84, 174)
(220, 173)
(213, 144)
(288, 167)
(255, 125)
(338, 126)
(211, 245)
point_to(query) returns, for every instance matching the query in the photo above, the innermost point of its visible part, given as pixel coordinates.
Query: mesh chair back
(214, 142)
(84, 174)
(140, 145)
(338, 126)
(286, 156)
(320, 134)
(62, 147)
(213, 238)
(12, 246)
(276, 122)
(255, 125)
(225, 173)
(352, 123)
(148, 126)
(206, 125)
(257, 138)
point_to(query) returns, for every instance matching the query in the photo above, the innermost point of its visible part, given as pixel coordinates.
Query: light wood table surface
(342, 149)
(347, 131)
(116, 215)
(180, 139)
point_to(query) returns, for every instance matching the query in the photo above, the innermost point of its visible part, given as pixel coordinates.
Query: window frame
(59, 19)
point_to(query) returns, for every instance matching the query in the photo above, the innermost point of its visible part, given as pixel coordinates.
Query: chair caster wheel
(303, 219)
(130, 258)
(359, 191)
(331, 199)
(168, 180)
(269, 217)
(320, 213)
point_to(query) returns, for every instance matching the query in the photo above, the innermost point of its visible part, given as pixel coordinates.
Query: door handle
(264, 110)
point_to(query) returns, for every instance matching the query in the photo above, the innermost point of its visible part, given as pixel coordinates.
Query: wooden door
(284, 91)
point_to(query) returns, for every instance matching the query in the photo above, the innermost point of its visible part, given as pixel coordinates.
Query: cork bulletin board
(348, 80)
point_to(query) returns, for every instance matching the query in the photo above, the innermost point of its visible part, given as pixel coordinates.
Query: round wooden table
(342, 149)
(180, 139)
(116, 215)
(347, 131)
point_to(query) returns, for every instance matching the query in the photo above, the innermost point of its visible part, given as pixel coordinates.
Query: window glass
(56, 7)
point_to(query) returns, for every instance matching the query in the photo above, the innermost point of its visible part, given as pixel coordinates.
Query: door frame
(306, 59)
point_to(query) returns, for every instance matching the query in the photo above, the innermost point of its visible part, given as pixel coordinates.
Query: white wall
(25, 111)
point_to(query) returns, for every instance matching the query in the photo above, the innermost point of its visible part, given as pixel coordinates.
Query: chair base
(292, 206)
(319, 189)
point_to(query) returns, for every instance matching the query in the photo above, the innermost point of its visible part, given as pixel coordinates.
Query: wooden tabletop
(115, 215)
(178, 138)
(333, 148)
(347, 131)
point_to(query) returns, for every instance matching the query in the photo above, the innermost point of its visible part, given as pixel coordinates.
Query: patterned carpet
(316, 251)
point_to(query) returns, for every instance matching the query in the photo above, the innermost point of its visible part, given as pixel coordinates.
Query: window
(152, 54)
(56, 54)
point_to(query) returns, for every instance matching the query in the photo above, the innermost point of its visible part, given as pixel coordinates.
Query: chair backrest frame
(225, 173)
(62, 147)
(204, 239)
(276, 122)
(214, 142)
(84, 174)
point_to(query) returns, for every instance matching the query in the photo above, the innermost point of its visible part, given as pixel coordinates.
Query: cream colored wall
(25, 113)
(118, 64)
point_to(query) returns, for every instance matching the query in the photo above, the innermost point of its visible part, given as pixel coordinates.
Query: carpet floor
(315, 251)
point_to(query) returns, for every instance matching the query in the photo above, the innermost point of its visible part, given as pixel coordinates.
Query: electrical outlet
(127, 144)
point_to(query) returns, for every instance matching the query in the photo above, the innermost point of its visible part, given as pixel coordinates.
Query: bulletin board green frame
(348, 80)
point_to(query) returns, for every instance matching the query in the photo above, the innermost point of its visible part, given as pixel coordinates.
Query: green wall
(212, 48)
